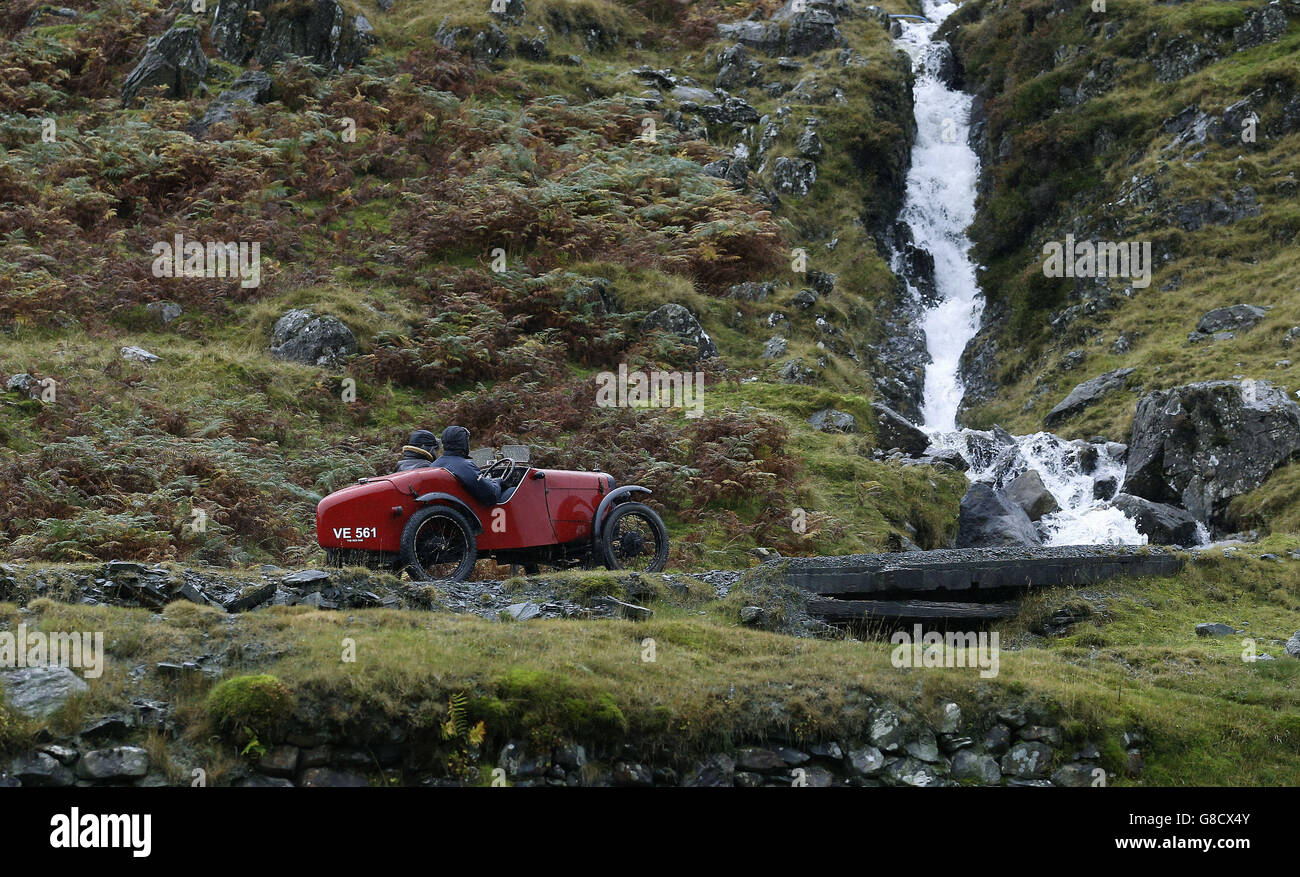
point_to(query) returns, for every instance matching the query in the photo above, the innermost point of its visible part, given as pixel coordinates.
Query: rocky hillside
(456, 215)
(248, 247)
(1174, 126)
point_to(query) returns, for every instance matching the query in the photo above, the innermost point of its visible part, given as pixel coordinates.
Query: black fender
(615, 495)
(455, 502)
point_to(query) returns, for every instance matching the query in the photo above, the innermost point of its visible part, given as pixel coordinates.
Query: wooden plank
(862, 610)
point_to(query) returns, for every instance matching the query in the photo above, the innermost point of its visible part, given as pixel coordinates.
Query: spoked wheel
(437, 543)
(634, 537)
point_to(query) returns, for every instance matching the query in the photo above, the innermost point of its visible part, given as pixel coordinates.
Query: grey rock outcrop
(1086, 394)
(677, 320)
(317, 29)
(1199, 445)
(174, 59)
(893, 430)
(301, 336)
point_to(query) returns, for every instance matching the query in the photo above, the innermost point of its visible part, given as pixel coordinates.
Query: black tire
(634, 537)
(437, 543)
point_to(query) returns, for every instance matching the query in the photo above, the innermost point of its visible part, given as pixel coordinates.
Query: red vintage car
(424, 522)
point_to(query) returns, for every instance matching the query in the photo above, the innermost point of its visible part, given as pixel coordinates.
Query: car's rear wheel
(437, 543)
(634, 537)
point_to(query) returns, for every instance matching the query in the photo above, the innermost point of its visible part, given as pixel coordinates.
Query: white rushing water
(938, 209)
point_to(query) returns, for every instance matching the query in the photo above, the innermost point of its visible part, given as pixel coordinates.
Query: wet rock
(174, 60)
(677, 320)
(1027, 760)
(987, 518)
(37, 692)
(832, 420)
(893, 430)
(1200, 445)
(1234, 318)
(983, 769)
(301, 336)
(117, 763)
(1028, 491)
(1214, 628)
(1086, 394)
(1162, 524)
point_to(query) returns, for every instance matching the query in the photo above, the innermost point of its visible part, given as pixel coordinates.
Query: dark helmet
(424, 440)
(455, 441)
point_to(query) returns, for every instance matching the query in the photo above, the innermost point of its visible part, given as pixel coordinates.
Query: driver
(455, 459)
(419, 451)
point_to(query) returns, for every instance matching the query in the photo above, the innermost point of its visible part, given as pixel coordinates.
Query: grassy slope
(1008, 49)
(362, 231)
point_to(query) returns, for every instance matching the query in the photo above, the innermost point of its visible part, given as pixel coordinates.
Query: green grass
(1211, 718)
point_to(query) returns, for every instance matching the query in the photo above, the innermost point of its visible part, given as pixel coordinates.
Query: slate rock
(1085, 395)
(1162, 524)
(37, 692)
(174, 60)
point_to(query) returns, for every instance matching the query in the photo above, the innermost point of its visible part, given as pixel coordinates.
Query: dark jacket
(420, 452)
(455, 459)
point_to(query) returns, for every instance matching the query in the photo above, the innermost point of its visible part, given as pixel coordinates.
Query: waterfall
(938, 209)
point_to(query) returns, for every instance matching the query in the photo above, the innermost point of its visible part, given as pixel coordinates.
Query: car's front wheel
(634, 537)
(437, 543)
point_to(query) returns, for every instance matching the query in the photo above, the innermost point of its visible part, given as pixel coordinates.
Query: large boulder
(893, 430)
(1199, 445)
(1231, 318)
(988, 519)
(1086, 394)
(677, 320)
(812, 31)
(301, 336)
(1161, 524)
(1028, 491)
(174, 59)
(270, 31)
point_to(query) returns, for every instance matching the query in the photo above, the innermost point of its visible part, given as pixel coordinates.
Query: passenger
(419, 452)
(455, 459)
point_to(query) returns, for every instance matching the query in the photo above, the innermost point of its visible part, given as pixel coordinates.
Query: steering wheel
(505, 463)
